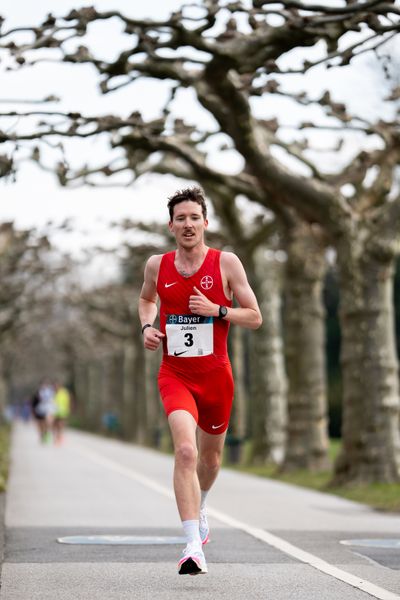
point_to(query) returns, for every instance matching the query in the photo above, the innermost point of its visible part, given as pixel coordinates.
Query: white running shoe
(193, 561)
(204, 528)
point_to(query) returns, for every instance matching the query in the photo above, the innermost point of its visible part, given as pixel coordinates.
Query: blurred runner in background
(43, 409)
(62, 400)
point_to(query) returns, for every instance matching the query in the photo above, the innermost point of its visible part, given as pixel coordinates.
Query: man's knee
(211, 460)
(186, 454)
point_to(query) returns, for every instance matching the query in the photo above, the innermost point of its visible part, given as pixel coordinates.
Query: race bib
(189, 335)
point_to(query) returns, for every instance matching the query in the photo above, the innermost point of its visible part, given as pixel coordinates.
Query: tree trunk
(307, 434)
(3, 397)
(371, 441)
(267, 371)
(113, 383)
(156, 420)
(141, 405)
(93, 416)
(129, 421)
(143, 436)
(237, 423)
(80, 385)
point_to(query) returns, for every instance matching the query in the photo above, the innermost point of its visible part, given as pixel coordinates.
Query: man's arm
(148, 304)
(248, 313)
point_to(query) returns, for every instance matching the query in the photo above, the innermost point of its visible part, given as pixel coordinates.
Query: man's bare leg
(210, 457)
(208, 465)
(187, 490)
(186, 483)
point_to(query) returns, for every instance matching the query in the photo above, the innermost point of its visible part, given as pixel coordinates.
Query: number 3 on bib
(189, 335)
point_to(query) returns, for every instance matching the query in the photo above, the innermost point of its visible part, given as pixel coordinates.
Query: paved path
(269, 539)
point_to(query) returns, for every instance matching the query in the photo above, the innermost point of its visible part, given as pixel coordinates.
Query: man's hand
(199, 304)
(152, 338)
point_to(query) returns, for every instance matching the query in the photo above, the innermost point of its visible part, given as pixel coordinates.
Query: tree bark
(267, 371)
(80, 377)
(238, 420)
(370, 429)
(3, 396)
(140, 390)
(95, 377)
(129, 421)
(307, 434)
(113, 384)
(156, 420)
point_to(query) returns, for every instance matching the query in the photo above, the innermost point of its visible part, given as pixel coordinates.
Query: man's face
(188, 224)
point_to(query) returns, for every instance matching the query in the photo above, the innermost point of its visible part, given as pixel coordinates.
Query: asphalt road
(268, 539)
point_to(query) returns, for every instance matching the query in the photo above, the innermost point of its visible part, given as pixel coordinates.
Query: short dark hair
(194, 194)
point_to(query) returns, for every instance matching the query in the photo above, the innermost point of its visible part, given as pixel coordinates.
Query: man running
(195, 285)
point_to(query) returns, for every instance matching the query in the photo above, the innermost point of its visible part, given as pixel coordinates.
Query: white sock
(191, 529)
(203, 499)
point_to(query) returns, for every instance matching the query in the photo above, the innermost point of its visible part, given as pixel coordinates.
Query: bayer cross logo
(173, 319)
(207, 282)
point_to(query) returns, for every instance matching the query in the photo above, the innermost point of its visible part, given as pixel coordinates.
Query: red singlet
(194, 345)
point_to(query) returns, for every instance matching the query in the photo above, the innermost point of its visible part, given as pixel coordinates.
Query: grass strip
(381, 496)
(4, 455)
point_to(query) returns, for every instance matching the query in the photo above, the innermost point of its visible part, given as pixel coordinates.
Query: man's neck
(189, 260)
(191, 255)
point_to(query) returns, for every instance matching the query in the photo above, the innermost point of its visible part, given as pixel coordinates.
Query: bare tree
(28, 271)
(230, 55)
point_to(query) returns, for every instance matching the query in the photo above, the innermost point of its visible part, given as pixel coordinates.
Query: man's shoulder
(158, 257)
(154, 261)
(229, 258)
(231, 265)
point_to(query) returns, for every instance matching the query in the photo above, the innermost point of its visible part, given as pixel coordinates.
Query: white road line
(111, 464)
(260, 534)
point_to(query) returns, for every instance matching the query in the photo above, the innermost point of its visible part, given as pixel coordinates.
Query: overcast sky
(35, 198)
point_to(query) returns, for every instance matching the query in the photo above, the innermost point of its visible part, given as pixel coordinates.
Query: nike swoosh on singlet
(179, 353)
(169, 284)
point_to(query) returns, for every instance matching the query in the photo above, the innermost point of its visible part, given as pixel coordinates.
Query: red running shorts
(206, 396)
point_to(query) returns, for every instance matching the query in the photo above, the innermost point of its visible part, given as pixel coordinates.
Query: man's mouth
(188, 234)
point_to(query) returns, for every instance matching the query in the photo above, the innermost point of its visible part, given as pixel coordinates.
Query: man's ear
(206, 223)
(170, 225)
